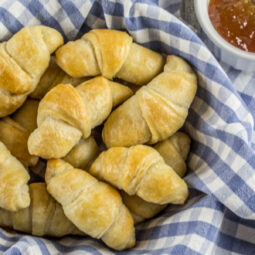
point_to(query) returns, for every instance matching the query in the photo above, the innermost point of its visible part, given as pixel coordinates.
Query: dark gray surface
(188, 14)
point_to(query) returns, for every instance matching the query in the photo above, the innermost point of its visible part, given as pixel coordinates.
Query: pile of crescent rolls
(50, 106)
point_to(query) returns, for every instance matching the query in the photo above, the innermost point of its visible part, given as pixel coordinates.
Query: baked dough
(67, 114)
(141, 210)
(43, 217)
(53, 76)
(112, 54)
(15, 137)
(83, 154)
(14, 194)
(23, 59)
(175, 151)
(156, 111)
(14, 132)
(26, 115)
(140, 170)
(94, 207)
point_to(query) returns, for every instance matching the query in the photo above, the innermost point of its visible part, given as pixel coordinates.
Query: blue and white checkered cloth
(219, 217)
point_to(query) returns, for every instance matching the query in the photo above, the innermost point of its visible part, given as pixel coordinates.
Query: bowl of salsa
(230, 25)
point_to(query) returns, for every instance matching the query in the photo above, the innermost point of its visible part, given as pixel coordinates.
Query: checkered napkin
(219, 216)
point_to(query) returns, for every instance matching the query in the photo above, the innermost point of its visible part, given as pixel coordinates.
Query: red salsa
(235, 21)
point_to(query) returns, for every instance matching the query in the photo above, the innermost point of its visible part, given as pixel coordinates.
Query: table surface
(187, 13)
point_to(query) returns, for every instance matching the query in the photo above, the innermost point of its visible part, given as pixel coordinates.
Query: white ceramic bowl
(224, 51)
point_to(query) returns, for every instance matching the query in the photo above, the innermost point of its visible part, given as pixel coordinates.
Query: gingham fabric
(220, 213)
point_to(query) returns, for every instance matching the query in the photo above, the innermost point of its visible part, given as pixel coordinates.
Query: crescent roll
(14, 132)
(175, 151)
(94, 207)
(53, 76)
(140, 170)
(156, 111)
(67, 114)
(141, 210)
(110, 53)
(13, 182)
(83, 154)
(26, 115)
(23, 59)
(15, 137)
(43, 217)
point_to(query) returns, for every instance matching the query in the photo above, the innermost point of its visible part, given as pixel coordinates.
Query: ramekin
(224, 51)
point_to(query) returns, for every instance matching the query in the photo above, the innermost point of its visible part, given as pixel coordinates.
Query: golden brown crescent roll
(15, 137)
(26, 114)
(13, 182)
(142, 171)
(14, 132)
(141, 210)
(53, 76)
(67, 114)
(43, 217)
(23, 59)
(175, 151)
(112, 54)
(156, 111)
(83, 154)
(94, 207)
